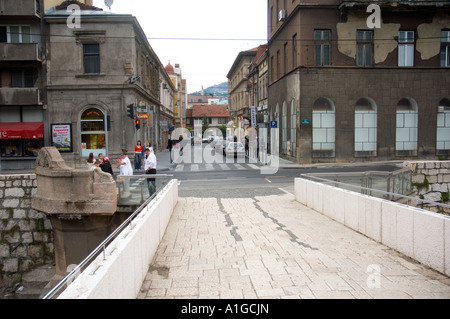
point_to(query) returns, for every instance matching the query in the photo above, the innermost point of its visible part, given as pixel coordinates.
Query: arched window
(443, 128)
(323, 125)
(365, 127)
(93, 132)
(406, 128)
(293, 128)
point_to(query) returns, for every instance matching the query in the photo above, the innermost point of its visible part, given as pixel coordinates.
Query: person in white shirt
(125, 168)
(150, 168)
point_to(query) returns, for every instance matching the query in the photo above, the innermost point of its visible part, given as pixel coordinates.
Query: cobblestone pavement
(270, 246)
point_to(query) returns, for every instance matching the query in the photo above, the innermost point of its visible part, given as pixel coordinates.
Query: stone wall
(431, 181)
(26, 237)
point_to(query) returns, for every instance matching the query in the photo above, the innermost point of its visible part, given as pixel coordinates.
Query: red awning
(16, 131)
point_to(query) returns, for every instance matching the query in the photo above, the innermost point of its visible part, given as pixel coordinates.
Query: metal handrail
(102, 247)
(311, 176)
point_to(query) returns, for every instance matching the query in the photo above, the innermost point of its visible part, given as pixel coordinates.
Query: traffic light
(138, 124)
(130, 111)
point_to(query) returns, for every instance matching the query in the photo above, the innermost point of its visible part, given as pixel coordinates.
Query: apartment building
(84, 81)
(238, 88)
(22, 80)
(349, 82)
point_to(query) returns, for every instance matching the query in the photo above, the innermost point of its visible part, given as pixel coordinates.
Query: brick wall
(26, 238)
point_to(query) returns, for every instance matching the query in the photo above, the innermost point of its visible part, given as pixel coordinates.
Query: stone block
(447, 246)
(389, 224)
(405, 229)
(373, 219)
(429, 239)
(351, 217)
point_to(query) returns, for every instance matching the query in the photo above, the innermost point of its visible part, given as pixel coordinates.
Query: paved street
(249, 238)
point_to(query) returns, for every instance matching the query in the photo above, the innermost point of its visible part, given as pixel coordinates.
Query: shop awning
(18, 131)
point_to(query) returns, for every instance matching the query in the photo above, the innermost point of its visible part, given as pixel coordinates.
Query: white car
(219, 147)
(235, 149)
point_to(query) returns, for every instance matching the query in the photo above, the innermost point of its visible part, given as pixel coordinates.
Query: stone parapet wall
(431, 180)
(26, 237)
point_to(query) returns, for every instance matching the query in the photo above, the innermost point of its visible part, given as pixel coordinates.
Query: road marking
(194, 167)
(239, 166)
(179, 168)
(224, 167)
(253, 166)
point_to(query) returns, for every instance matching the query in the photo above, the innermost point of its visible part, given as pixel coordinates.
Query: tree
(205, 124)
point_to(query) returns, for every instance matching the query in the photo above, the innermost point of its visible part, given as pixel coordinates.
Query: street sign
(253, 115)
(142, 116)
(306, 121)
(273, 124)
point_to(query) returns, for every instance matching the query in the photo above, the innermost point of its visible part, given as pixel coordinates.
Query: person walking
(138, 150)
(169, 147)
(150, 169)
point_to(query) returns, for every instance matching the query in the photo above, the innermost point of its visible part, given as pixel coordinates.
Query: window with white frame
(443, 128)
(322, 47)
(365, 128)
(15, 34)
(406, 128)
(406, 48)
(323, 126)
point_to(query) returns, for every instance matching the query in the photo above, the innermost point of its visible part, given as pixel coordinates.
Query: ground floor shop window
(406, 128)
(365, 128)
(323, 124)
(93, 132)
(21, 148)
(443, 128)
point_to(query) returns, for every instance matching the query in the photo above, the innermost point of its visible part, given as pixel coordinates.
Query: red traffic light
(138, 124)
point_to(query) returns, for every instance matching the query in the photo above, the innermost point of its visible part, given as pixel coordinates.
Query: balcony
(9, 8)
(20, 96)
(20, 52)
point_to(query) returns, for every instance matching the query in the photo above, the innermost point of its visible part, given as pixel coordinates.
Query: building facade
(22, 82)
(351, 83)
(84, 81)
(239, 89)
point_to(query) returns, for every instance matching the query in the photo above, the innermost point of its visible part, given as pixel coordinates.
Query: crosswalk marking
(212, 167)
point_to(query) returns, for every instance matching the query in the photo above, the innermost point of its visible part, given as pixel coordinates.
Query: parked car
(235, 149)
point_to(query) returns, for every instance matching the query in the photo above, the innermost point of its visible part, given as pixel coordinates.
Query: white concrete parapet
(417, 233)
(128, 257)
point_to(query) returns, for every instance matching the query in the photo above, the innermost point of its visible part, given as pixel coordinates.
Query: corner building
(342, 90)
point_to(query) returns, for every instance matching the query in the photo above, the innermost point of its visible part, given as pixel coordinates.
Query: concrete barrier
(414, 232)
(128, 257)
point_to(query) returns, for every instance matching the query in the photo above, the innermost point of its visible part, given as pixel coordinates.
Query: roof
(240, 56)
(169, 69)
(210, 111)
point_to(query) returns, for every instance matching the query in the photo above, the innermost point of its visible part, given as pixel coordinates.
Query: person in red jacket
(138, 150)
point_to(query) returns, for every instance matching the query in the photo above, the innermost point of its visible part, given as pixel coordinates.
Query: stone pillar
(80, 204)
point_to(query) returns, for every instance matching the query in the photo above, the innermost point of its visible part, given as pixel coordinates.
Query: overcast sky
(235, 25)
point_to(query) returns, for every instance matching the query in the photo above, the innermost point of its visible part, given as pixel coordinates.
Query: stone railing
(26, 238)
(414, 232)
